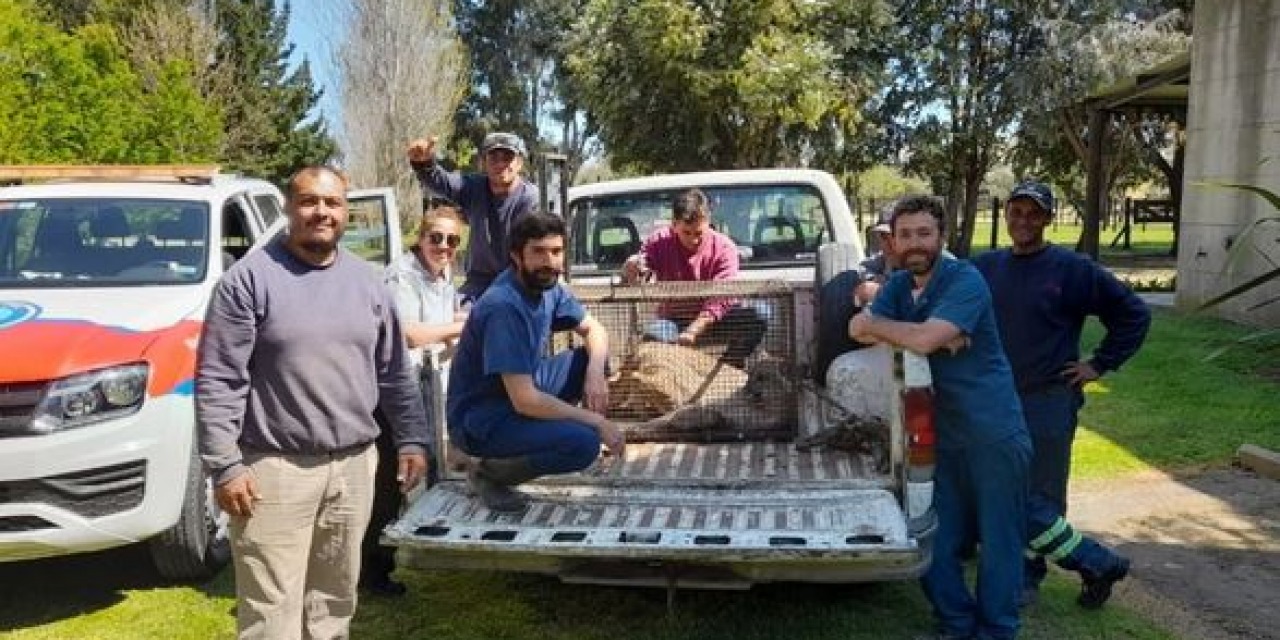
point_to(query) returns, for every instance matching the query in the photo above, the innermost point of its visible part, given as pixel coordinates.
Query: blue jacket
(1041, 302)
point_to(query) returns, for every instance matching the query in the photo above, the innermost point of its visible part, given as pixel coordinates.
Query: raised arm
(431, 176)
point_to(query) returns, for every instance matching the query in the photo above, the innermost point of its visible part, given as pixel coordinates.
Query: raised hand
(423, 149)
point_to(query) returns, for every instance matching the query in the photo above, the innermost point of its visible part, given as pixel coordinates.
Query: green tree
(726, 83)
(518, 77)
(269, 130)
(75, 98)
(960, 87)
(1080, 60)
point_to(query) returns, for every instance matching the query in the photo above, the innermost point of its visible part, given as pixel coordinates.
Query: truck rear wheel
(197, 547)
(834, 281)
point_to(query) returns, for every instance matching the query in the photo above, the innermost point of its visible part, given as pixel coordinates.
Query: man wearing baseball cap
(492, 201)
(1042, 294)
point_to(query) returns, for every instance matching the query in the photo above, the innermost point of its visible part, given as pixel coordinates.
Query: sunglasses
(435, 237)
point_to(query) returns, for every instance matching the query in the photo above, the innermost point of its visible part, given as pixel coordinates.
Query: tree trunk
(972, 184)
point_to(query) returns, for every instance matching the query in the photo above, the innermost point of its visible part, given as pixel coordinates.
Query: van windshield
(771, 224)
(85, 242)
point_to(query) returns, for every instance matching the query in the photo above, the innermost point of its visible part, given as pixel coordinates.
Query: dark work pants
(552, 446)
(1051, 415)
(979, 492)
(379, 561)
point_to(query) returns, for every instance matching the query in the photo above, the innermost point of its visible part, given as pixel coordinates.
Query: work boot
(1096, 590)
(492, 479)
(383, 585)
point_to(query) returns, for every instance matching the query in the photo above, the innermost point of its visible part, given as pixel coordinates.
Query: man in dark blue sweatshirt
(493, 201)
(1042, 294)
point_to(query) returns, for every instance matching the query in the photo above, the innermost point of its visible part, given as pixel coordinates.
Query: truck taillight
(917, 404)
(917, 407)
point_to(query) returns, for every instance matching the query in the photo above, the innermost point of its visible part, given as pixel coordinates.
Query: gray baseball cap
(502, 140)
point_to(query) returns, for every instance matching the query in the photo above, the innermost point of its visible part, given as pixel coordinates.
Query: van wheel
(197, 547)
(834, 281)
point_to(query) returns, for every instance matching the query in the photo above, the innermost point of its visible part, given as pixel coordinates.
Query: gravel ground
(1205, 548)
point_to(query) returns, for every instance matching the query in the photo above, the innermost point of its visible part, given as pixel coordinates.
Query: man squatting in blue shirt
(508, 405)
(940, 307)
(1042, 295)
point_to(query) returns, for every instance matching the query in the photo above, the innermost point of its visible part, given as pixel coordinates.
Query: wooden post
(995, 222)
(1128, 224)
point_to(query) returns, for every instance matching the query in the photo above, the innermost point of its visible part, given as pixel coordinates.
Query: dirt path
(1205, 548)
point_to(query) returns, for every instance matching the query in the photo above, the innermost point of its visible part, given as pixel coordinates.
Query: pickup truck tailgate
(696, 536)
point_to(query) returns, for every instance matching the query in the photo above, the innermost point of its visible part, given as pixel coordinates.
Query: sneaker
(1095, 591)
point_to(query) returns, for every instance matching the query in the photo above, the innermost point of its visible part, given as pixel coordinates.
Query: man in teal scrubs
(940, 307)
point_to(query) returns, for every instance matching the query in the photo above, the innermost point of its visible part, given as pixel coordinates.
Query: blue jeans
(979, 492)
(1051, 415)
(741, 329)
(552, 446)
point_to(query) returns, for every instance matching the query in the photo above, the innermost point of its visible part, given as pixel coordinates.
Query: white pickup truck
(105, 274)
(745, 500)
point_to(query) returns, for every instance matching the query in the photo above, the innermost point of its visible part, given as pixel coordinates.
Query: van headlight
(91, 397)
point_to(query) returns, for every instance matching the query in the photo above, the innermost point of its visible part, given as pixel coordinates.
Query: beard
(919, 261)
(318, 246)
(540, 279)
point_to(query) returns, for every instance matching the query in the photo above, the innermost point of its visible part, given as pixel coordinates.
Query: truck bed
(749, 462)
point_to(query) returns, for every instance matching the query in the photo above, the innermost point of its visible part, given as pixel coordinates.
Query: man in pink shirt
(689, 250)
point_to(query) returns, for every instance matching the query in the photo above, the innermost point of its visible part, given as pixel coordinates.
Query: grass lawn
(1148, 239)
(1168, 408)
(100, 598)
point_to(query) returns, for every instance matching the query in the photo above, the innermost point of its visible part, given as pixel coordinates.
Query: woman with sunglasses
(421, 282)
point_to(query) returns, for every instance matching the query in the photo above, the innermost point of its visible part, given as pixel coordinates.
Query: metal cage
(736, 382)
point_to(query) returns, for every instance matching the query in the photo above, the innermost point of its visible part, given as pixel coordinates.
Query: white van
(105, 274)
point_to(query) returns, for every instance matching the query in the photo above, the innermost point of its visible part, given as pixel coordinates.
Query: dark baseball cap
(502, 140)
(1038, 192)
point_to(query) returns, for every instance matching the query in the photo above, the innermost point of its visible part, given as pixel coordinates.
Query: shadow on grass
(38, 592)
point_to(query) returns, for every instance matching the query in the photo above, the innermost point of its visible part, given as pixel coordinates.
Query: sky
(315, 28)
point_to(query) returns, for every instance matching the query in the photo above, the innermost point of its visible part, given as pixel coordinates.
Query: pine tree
(269, 132)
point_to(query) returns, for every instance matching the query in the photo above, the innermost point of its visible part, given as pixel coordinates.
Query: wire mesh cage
(733, 382)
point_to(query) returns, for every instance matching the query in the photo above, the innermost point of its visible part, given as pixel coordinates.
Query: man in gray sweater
(301, 341)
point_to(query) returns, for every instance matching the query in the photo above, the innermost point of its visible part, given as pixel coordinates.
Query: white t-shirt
(423, 299)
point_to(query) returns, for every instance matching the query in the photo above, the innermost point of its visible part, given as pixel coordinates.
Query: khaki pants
(297, 558)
